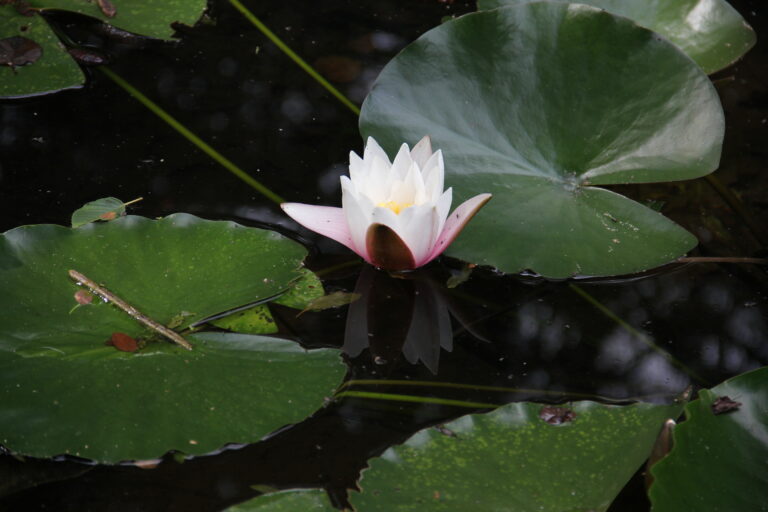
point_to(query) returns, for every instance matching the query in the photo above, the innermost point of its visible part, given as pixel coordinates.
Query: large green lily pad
(179, 265)
(539, 103)
(111, 406)
(711, 32)
(56, 70)
(504, 460)
(718, 462)
(65, 391)
(509, 459)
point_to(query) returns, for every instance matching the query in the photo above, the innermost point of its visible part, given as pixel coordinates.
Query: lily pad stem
(132, 311)
(194, 139)
(293, 56)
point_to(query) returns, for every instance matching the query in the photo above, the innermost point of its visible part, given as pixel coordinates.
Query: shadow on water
(419, 353)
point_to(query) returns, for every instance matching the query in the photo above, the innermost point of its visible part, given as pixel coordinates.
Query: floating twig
(135, 313)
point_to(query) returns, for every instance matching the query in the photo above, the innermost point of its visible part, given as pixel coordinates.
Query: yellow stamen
(395, 206)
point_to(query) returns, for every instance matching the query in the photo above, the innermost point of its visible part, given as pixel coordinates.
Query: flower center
(395, 206)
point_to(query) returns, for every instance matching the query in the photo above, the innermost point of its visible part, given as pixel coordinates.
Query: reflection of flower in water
(398, 315)
(394, 214)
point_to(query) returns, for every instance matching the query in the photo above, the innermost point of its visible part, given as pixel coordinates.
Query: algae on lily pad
(65, 391)
(711, 32)
(504, 460)
(539, 104)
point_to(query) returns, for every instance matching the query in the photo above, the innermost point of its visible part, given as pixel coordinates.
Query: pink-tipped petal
(326, 220)
(456, 222)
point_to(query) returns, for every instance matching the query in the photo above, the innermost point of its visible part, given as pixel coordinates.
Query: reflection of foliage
(52, 68)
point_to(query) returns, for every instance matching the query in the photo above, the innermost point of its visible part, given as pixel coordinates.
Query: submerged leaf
(332, 300)
(302, 292)
(256, 320)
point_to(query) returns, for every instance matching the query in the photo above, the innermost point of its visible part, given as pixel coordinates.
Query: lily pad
(108, 208)
(255, 320)
(54, 70)
(539, 103)
(144, 17)
(110, 406)
(65, 391)
(165, 267)
(259, 320)
(287, 501)
(504, 459)
(718, 461)
(712, 33)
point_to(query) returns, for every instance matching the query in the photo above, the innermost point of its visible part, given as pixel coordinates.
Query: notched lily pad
(504, 459)
(29, 40)
(99, 401)
(539, 104)
(719, 453)
(50, 67)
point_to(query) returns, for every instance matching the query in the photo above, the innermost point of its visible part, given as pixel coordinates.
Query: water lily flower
(394, 214)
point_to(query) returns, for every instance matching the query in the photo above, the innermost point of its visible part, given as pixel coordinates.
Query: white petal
(443, 208)
(387, 217)
(356, 166)
(402, 163)
(326, 220)
(418, 229)
(357, 210)
(373, 150)
(379, 181)
(434, 175)
(422, 151)
(410, 190)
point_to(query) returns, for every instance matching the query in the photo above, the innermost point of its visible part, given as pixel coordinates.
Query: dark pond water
(507, 338)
